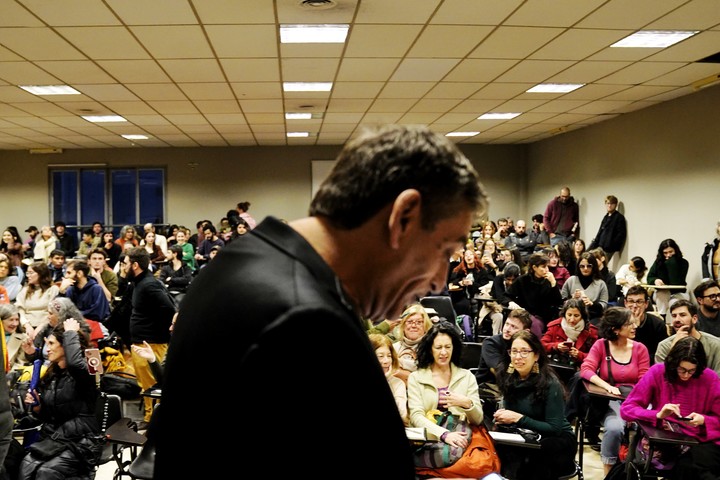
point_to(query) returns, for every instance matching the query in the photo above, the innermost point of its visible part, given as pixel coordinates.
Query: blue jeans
(612, 437)
(557, 239)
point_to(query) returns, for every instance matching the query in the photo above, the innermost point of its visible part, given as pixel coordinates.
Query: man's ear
(404, 216)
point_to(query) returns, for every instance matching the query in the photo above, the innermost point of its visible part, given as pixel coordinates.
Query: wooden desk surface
(121, 433)
(664, 287)
(490, 425)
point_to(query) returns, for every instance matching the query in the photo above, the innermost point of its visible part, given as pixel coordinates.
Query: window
(115, 197)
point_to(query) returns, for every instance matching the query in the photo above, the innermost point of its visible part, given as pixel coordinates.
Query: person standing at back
(613, 230)
(562, 217)
(397, 204)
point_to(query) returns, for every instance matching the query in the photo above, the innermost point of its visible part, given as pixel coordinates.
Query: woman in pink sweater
(686, 394)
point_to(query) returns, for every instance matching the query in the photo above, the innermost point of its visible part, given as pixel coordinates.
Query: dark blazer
(274, 317)
(611, 234)
(536, 296)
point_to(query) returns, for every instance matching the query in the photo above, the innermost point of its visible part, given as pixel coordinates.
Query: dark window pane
(123, 196)
(65, 188)
(152, 198)
(92, 196)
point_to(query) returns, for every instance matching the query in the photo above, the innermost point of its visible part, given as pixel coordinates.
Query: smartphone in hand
(94, 362)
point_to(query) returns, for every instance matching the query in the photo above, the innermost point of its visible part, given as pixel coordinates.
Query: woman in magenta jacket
(684, 393)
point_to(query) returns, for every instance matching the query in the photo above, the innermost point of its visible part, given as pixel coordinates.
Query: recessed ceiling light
(313, 33)
(498, 116)
(307, 86)
(555, 87)
(654, 39)
(135, 137)
(298, 116)
(103, 118)
(298, 134)
(50, 90)
(461, 134)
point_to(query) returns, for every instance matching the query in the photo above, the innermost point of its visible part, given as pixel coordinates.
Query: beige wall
(663, 163)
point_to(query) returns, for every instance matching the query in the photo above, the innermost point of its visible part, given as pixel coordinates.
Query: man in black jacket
(612, 232)
(269, 316)
(152, 313)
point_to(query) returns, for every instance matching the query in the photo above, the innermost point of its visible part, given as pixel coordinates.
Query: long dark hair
(540, 381)
(640, 267)
(424, 349)
(660, 259)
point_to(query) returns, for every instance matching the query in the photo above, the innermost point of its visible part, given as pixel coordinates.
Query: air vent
(318, 4)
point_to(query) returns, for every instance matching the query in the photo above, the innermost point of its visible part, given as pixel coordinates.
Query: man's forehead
(680, 311)
(636, 298)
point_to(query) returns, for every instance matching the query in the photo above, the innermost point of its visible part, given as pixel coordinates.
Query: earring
(510, 368)
(535, 368)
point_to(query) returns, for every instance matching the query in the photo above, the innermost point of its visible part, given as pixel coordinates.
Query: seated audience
(66, 399)
(89, 242)
(84, 291)
(188, 250)
(465, 282)
(631, 274)
(570, 337)
(100, 271)
(210, 240)
(112, 249)
(414, 323)
(32, 301)
(560, 273)
(501, 284)
(651, 329)
(588, 286)
(566, 255)
(616, 361)
(607, 275)
(389, 363)
(534, 398)
(707, 294)
(669, 268)
(12, 246)
(127, 235)
(45, 244)
(683, 393)
(57, 266)
(241, 229)
(59, 309)
(14, 336)
(684, 322)
(536, 292)
(157, 256)
(176, 275)
(9, 278)
(439, 384)
(495, 348)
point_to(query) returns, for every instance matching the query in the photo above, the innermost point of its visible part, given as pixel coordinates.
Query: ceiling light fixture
(325, 33)
(50, 89)
(555, 87)
(298, 116)
(654, 38)
(307, 86)
(498, 116)
(461, 134)
(298, 134)
(135, 137)
(706, 82)
(103, 118)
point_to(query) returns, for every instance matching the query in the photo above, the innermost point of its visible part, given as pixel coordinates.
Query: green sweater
(546, 418)
(673, 272)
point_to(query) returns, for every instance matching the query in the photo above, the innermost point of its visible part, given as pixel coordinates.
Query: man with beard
(150, 320)
(562, 218)
(707, 295)
(684, 318)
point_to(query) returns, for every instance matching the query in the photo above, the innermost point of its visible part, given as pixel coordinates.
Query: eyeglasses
(415, 322)
(712, 296)
(520, 353)
(635, 302)
(685, 371)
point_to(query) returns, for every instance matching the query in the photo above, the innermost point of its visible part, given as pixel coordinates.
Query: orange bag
(479, 459)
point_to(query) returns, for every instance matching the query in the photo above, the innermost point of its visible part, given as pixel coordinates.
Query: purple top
(696, 395)
(623, 373)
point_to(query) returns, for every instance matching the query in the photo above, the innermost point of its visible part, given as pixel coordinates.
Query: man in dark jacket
(562, 218)
(150, 320)
(295, 297)
(613, 230)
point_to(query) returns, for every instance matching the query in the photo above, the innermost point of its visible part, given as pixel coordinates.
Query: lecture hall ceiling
(207, 73)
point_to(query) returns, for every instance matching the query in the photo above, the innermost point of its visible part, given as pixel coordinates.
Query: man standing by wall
(612, 232)
(382, 226)
(562, 217)
(150, 320)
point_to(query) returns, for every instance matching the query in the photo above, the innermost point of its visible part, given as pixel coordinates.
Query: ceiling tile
(617, 13)
(174, 41)
(357, 89)
(636, 73)
(135, 71)
(561, 13)
(485, 70)
(434, 105)
(157, 12)
(45, 44)
(397, 11)
(534, 70)
(693, 49)
(251, 69)
(76, 72)
(103, 93)
(257, 90)
(577, 44)
(457, 90)
(406, 89)
(454, 41)
(367, 69)
(587, 72)
(474, 12)
(217, 106)
(309, 69)
(243, 41)
(24, 73)
(691, 16)
(207, 91)
(104, 43)
(425, 69)
(14, 15)
(378, 41)
(232, 11)
(72, 12)
(157, 91)
(262, 106)
(193, 70)
(514, 42)
(170, 107)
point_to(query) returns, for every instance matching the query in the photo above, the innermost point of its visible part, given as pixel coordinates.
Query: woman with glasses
(534, 398)
(616, 361)
(414, 322)
(685, 394)
(587, 285)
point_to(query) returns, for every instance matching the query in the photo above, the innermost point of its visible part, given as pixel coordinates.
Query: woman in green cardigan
(669, 268)
(534, 398)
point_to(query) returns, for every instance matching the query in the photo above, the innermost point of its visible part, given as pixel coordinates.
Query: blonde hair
(412, 310)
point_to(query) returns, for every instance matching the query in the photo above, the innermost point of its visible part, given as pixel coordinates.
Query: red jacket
(555, 334)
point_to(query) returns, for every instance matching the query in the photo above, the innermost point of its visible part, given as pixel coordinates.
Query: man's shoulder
(709, 339)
